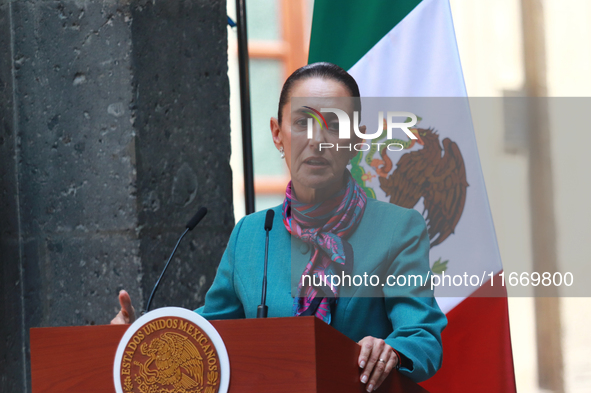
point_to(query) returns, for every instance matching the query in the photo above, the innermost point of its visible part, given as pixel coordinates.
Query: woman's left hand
(376, 359)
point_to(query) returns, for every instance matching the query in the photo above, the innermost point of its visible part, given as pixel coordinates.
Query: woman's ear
(276, 133)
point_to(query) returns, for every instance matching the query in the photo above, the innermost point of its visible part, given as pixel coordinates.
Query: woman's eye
(303, 122)
(333, 126)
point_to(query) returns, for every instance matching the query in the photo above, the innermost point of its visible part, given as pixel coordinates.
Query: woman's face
(316, 173)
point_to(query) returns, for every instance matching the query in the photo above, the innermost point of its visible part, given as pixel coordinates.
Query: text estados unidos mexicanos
(441, 280)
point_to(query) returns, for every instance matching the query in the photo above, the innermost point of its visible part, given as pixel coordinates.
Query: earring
(282, 152)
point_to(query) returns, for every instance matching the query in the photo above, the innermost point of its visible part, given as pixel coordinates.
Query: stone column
(114, 129)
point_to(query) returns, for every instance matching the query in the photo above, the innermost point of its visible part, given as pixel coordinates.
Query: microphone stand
(164, 270)
(262, 309)
(190, 225)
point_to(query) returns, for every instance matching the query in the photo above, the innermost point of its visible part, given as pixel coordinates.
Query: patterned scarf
(324, 226)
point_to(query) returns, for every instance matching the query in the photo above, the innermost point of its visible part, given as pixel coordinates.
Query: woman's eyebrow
(301, 110)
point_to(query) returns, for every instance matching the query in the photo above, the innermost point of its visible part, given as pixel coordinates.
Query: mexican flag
(407, 48)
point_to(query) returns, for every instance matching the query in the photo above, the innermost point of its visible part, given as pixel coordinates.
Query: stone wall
(114, 129)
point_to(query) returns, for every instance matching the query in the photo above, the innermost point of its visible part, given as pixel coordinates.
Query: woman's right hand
(127, 313)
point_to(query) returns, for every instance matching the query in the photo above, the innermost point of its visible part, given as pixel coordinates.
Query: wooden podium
(286, 355)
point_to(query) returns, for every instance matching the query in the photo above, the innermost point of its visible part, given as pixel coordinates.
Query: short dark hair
(317, 70)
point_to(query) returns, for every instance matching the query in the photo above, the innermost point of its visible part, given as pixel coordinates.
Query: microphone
(269, 220)
(196, 218)
(262, 309)
(190, 225)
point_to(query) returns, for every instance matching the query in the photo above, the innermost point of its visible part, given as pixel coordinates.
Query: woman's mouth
(316, 161)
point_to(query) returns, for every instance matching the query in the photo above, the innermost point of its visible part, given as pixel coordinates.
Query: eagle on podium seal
(171, 350)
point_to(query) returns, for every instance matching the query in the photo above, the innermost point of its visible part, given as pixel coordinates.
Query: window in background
(278, 37)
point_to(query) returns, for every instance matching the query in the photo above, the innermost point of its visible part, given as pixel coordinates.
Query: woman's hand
(127, 313)
(376, 359)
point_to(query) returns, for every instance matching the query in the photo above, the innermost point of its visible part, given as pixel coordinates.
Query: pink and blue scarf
(324, 227)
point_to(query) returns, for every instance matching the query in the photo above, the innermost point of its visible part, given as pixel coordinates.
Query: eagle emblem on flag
(435, 173)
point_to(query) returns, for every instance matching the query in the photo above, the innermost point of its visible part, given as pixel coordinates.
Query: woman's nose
(317, 135)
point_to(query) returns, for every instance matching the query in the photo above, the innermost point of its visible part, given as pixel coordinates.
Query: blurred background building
(278, 35)
(491, 44)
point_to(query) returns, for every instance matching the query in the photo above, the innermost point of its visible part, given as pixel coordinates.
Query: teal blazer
(389, 240)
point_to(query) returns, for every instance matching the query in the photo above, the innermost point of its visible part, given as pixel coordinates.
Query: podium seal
(171, 350)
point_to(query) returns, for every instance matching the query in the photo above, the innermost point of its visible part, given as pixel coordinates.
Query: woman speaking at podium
(328, 226)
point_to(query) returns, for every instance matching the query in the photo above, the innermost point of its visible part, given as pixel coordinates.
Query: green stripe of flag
(344, 31)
